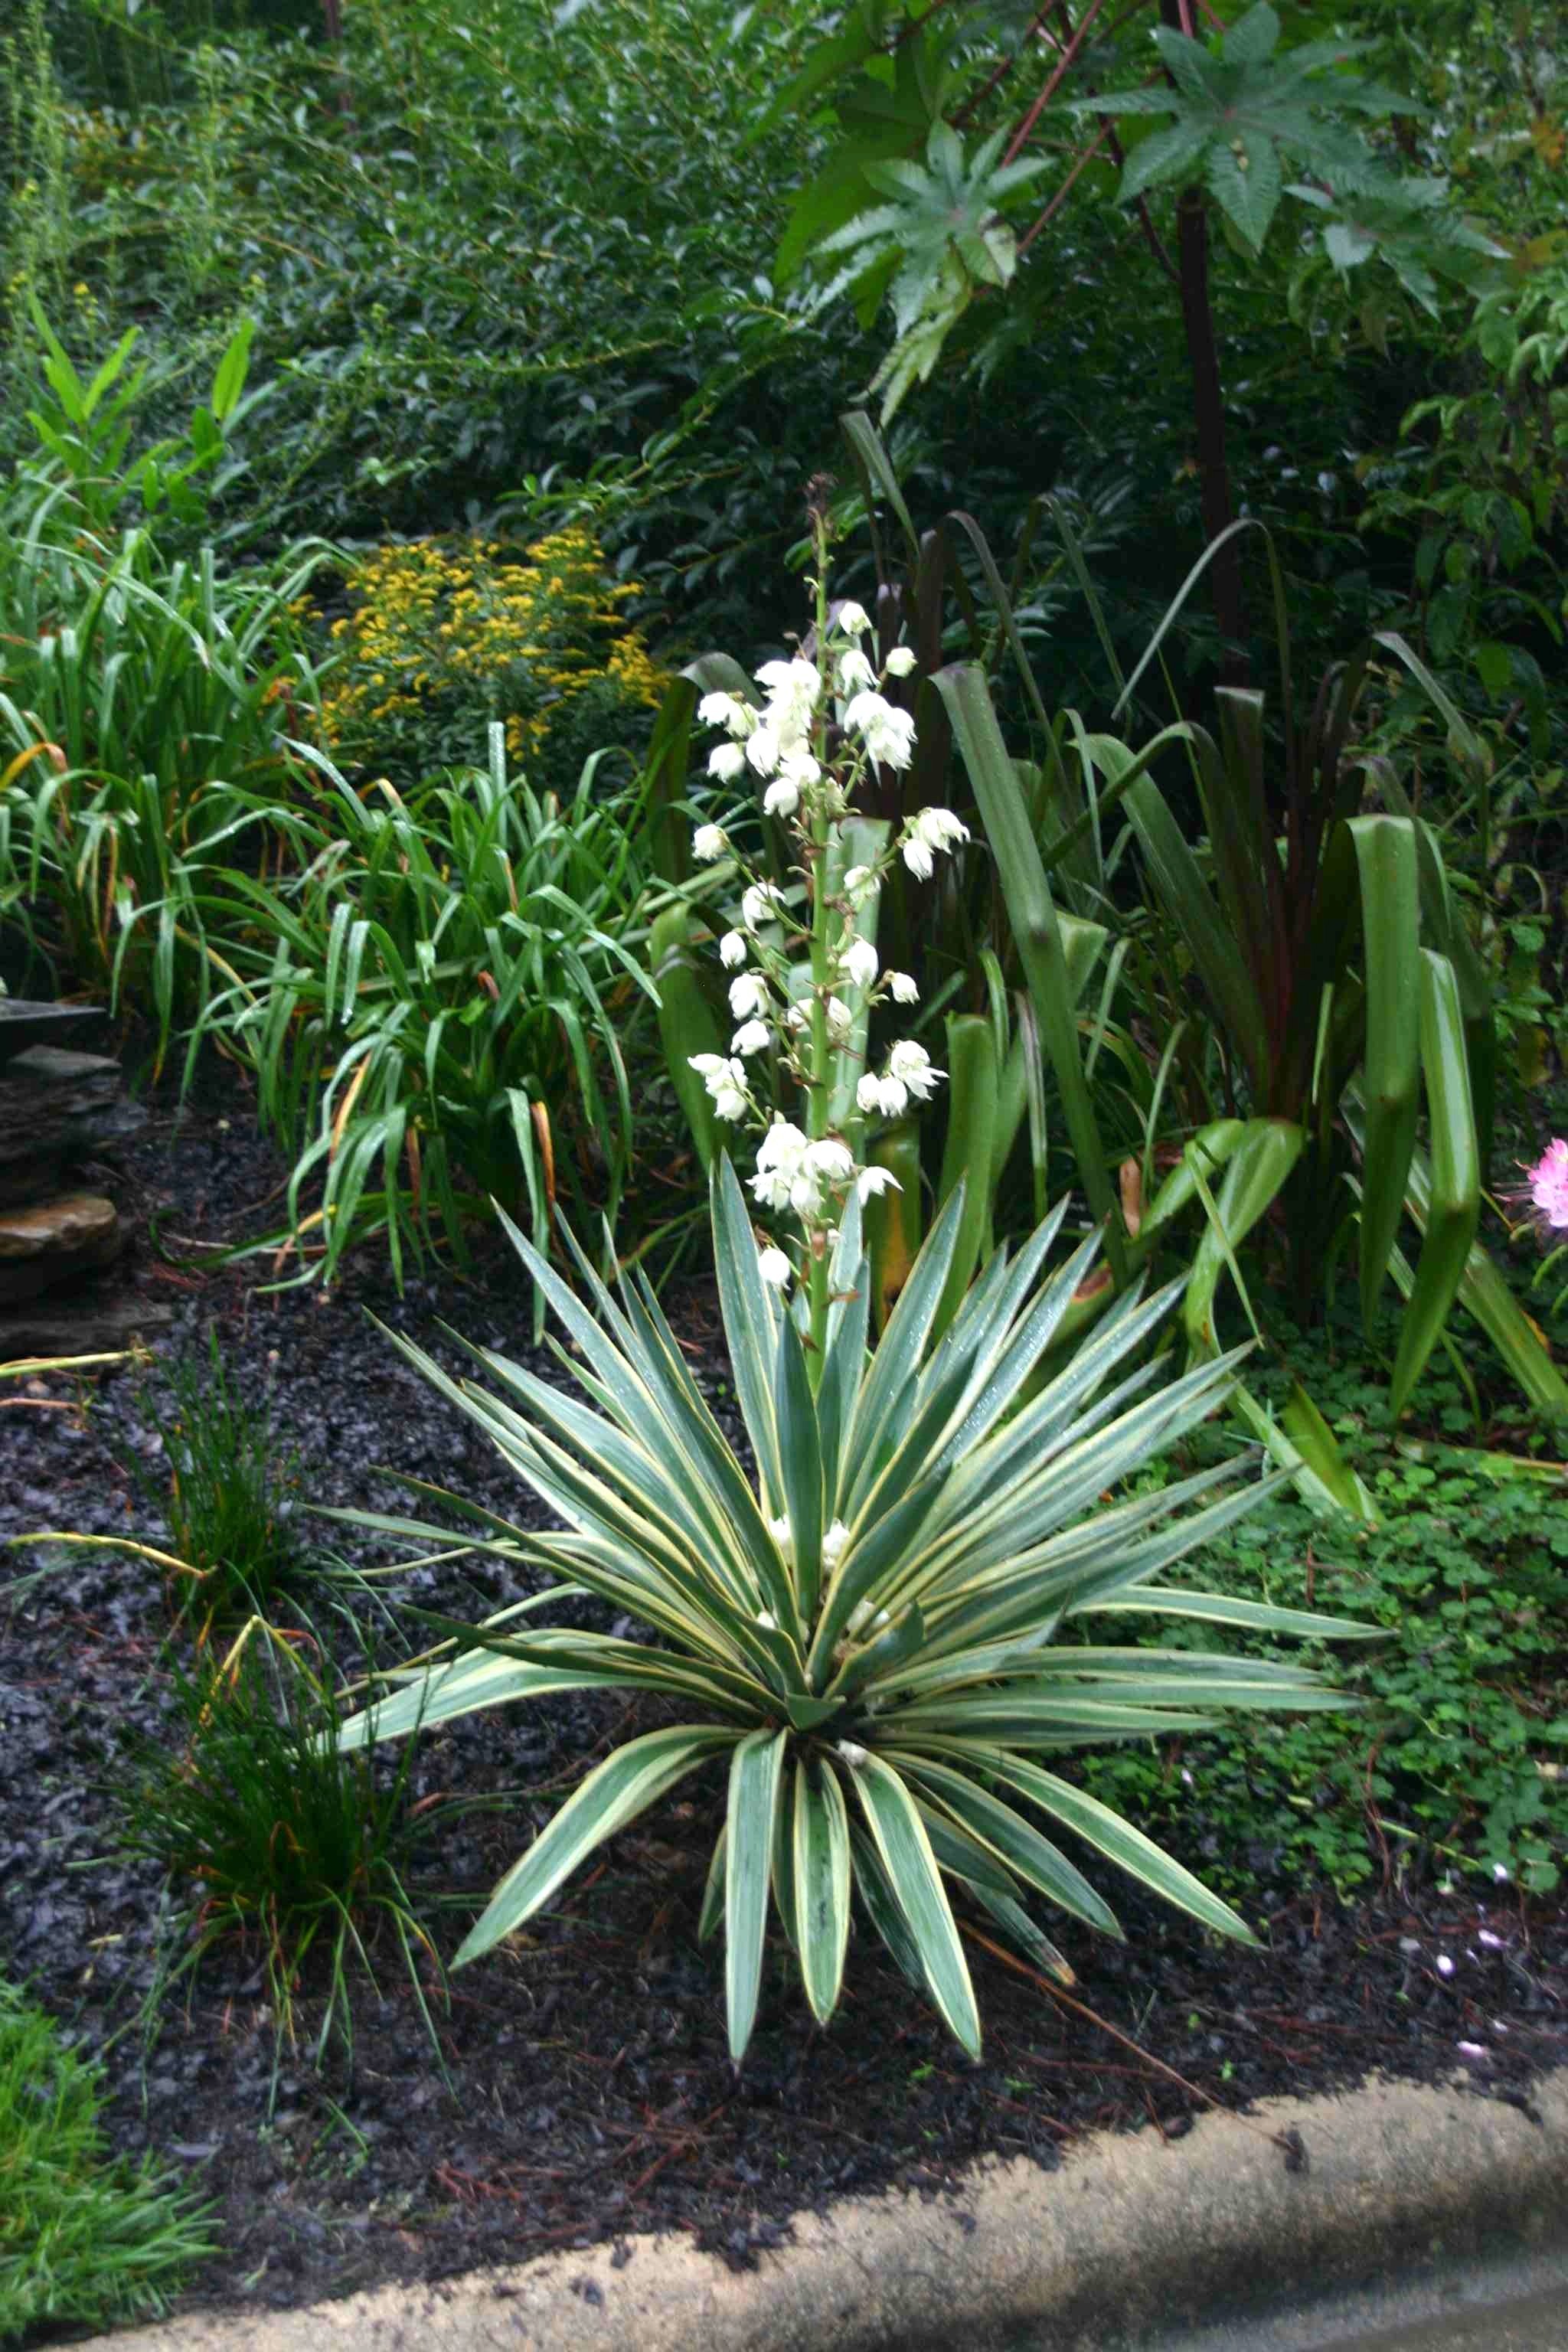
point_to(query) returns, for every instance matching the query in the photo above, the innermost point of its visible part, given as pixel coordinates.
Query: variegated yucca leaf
(882, 1626)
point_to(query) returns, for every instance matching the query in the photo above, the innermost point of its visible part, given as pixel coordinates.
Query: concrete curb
(1126, 2233)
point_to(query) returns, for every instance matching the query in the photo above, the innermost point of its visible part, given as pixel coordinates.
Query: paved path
(1516, 2305)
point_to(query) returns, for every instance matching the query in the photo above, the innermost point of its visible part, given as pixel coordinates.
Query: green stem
(820, 1094)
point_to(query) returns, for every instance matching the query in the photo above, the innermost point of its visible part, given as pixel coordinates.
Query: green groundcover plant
(84, 2241)
(871, 1628)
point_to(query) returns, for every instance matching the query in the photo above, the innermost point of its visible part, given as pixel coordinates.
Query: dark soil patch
(590, 2092)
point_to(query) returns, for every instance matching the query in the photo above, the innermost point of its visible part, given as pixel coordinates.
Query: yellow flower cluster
(444, 628)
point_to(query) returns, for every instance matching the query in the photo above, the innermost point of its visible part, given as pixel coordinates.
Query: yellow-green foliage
(443, 635)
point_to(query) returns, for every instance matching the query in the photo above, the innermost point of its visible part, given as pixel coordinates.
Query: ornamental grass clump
(872, 1625)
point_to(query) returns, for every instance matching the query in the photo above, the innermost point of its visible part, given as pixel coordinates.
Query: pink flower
(1548, 1183)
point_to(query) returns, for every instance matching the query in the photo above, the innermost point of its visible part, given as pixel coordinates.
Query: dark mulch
(590, 2096)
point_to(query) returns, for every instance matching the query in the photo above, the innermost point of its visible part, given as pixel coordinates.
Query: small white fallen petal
(1493, 1943)
(1445, 1965)
(1472, 2049)
(1499, 1872)
(853, 1754)
(767, 1620)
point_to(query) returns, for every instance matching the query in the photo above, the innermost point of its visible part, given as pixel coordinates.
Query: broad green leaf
(756, 1771)
(904, 1851)
(1391, 929)
(1455, 1195)
(613, 1794)
(821, 1833)
(1123, 1844)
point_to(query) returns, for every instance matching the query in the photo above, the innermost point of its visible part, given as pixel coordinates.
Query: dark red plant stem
(1062, 194)
(1054, 80)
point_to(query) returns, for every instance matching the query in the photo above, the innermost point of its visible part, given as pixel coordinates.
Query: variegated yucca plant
(875, 1629)
(871, 1626)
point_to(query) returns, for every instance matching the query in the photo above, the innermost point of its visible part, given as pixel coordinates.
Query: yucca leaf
(1126, 1846)
(711, 1918)
(1014, 1841)
(756, 1771)
(875, 1890)
(821, 1859)
(1230, 1609)
(613, 1794)
(904, 1851)
(751, 1325)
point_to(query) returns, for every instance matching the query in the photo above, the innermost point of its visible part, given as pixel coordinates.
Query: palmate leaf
(1241, 105)
(891, 1720)
(944, 230)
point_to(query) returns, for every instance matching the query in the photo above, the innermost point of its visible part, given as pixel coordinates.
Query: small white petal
(834, 1544)
(860, 963)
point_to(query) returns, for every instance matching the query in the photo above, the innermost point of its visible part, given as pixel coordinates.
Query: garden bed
(586, 2092)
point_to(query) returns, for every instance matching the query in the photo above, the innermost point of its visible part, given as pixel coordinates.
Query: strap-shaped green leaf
(751, 1325)
(1015, 1841)
(1390, 931)
(755, 1778)
(904, 1850)
(1121, 1843)
(1455, 1191)
(614, 1793)
(1031, 909)
(820, 1829)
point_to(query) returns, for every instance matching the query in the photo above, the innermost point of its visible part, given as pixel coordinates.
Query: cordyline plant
(871, 1626)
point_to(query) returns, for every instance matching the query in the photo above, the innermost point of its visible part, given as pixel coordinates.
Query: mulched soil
(589, 2093)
